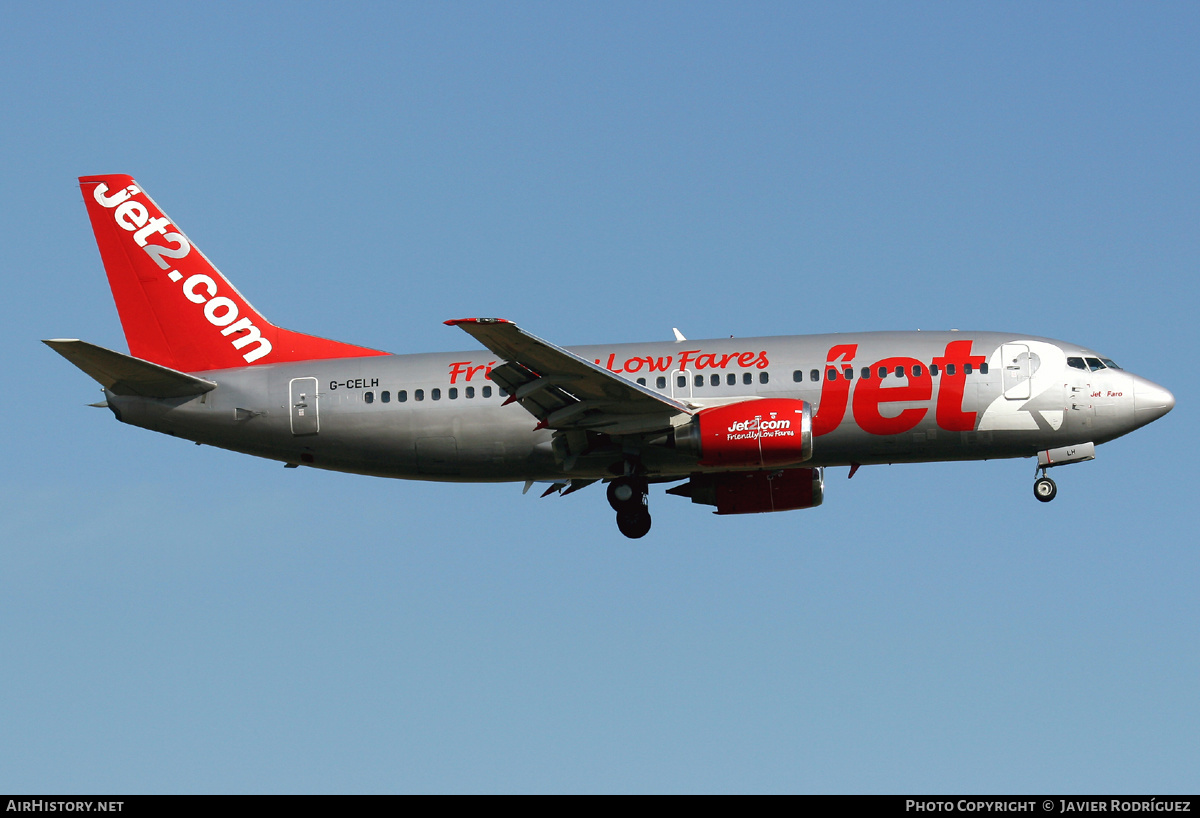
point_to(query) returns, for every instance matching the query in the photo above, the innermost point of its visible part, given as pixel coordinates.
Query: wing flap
(126, 375)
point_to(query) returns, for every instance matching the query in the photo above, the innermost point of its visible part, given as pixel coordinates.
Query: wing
(564, 391)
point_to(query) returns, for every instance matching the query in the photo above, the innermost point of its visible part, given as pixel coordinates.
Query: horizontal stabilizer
(126, 375)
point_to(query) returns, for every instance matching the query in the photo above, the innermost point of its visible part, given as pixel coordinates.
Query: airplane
(746, 425)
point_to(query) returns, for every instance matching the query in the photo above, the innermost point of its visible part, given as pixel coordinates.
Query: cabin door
(1017, 369)
(681, 385)
(305, 419)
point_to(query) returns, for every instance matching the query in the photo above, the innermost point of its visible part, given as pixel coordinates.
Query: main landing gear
(1044, 488)
(628, 496)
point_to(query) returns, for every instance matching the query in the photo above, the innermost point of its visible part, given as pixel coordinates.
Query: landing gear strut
(628, 497)
(1044, 488)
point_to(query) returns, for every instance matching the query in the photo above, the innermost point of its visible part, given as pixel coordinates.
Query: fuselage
(878, 397)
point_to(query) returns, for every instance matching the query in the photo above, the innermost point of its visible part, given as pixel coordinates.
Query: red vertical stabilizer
(176, 308)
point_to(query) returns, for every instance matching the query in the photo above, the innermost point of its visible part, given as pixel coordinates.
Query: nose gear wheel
(1044, 489)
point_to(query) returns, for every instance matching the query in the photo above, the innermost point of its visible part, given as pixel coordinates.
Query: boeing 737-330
(746, 425)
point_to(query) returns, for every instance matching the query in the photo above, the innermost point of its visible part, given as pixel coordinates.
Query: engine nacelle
(763, 434)
(753, 492)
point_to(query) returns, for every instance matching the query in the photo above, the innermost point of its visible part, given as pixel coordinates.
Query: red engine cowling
(752, 492)
(762, 434)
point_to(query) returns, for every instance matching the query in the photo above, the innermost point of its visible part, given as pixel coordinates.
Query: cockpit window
(1094, 364)
(1109, 363)
(1076, 363)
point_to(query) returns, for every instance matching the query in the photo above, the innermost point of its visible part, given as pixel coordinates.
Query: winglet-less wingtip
(454, 322)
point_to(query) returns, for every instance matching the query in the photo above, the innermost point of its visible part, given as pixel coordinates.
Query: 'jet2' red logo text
(870, 394)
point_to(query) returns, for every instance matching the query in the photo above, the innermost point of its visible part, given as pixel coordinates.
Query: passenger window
(731, 379)
(798, 376)
(933, 370)
(764, 377)
(747, 378)
(661, 382)
(436, 394)
(402, 396)
(385, 396)
(883, 370)
(487, 391)
(968, 369)
(714, 380)
(681, 381)
(501, 391)
(641, 381)
(815, 375)
(831, 374)
(454, 393)
(949, 369)
(899, 372)
(849, 373)
(917, 371)
(369, 397)
(419, 394)
(698, 380)
(470, 392)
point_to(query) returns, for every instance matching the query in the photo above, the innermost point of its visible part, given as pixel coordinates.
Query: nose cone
(1150, 401)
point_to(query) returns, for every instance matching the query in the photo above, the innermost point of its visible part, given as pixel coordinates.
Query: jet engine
(762, 434)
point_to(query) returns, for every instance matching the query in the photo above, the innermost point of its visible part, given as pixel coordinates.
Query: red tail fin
(176, 308)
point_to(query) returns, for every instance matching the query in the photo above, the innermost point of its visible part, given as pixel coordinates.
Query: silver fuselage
(332, 414)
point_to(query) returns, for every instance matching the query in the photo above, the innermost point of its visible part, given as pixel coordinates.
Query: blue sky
(176, 618)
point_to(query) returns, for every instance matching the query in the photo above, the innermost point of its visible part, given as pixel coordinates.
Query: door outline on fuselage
(1016, 371)
(681, 392)
(304, 406)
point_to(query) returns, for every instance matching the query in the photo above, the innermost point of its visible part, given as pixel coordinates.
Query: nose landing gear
(1044, 488)
(628, 496)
